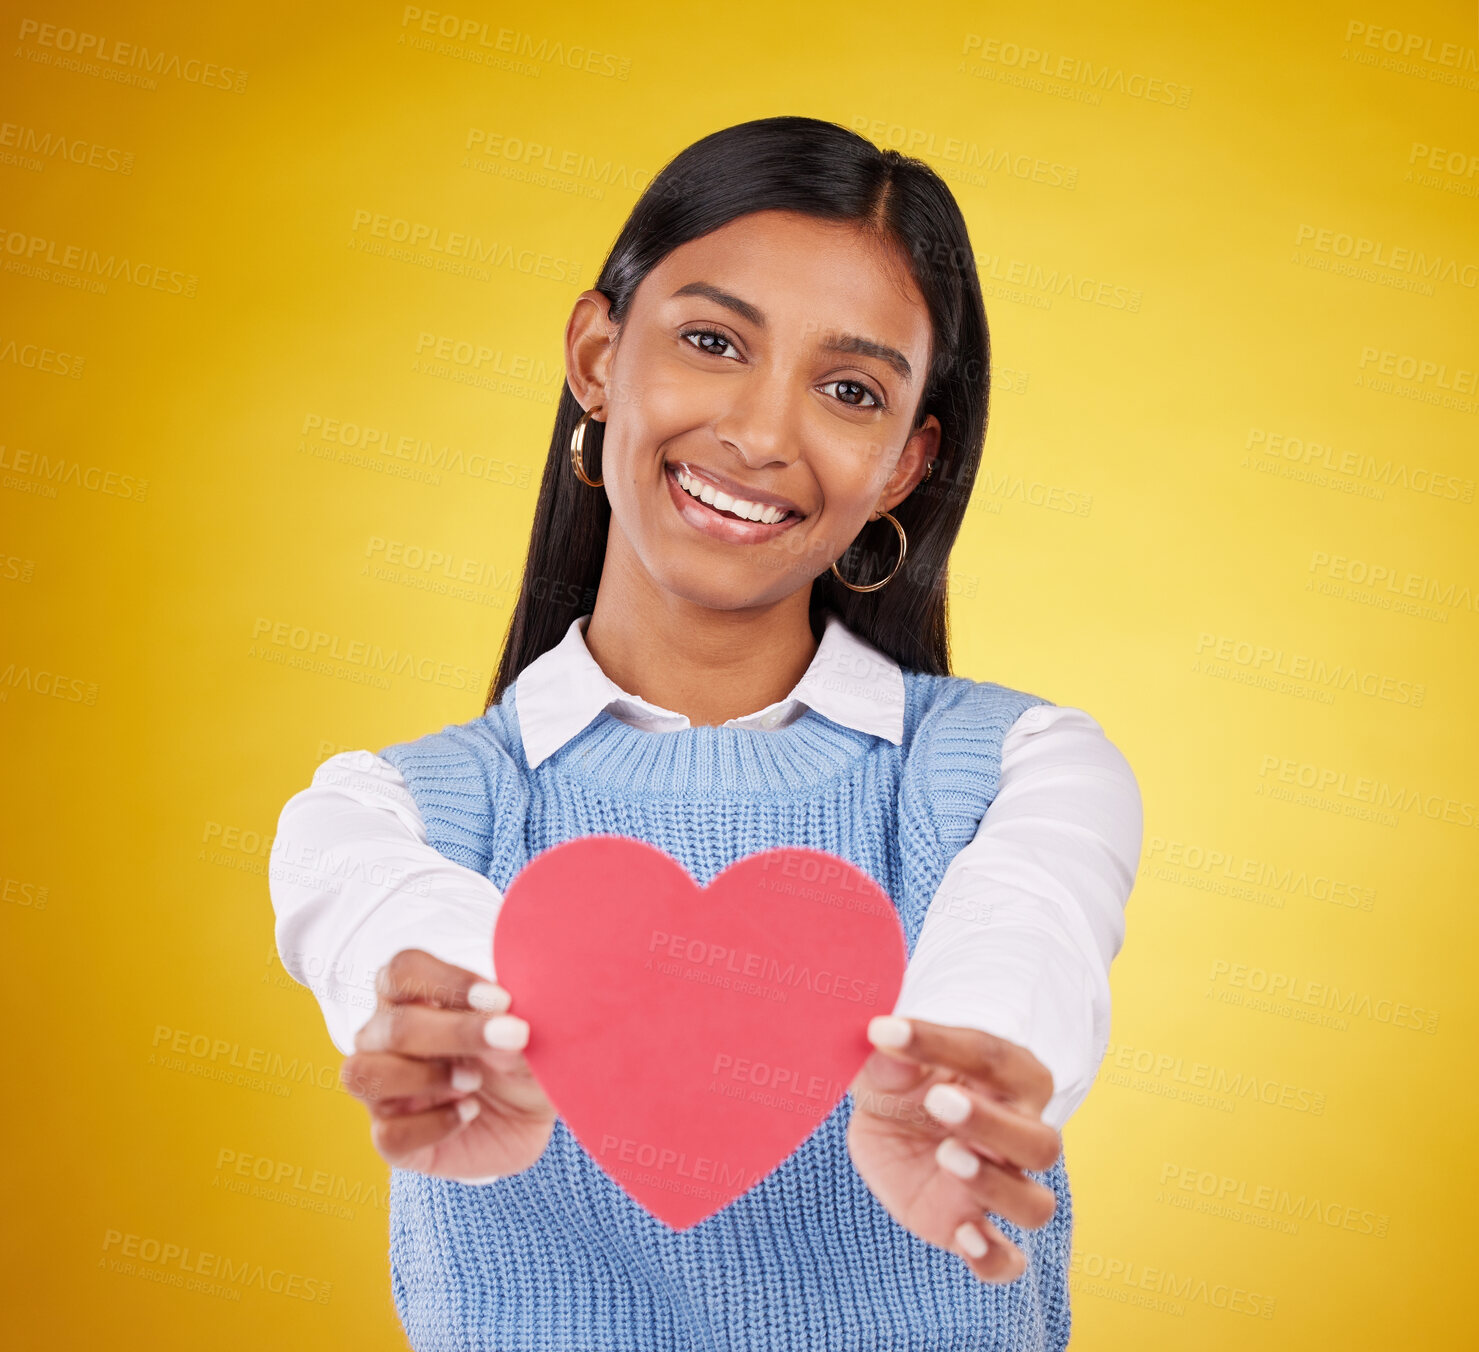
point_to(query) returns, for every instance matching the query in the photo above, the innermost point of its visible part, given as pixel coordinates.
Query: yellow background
(1249, 1165)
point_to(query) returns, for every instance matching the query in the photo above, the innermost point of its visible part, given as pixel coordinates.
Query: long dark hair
(826, 170)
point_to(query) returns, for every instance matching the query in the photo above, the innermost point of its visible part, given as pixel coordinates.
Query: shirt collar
(849, 681)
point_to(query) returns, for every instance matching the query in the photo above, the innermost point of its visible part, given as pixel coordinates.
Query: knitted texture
(557, 1256)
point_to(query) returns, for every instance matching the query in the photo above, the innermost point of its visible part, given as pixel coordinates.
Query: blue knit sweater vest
(558, 1257)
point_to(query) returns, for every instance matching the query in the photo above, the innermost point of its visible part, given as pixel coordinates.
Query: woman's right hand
(428, 1025)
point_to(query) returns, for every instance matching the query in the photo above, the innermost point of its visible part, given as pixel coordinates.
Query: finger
(1000, 1132)
(427, 1031)
(385, 1082)
(987, 1252)
(396, 1138)
(961, 1224)
(1009, 1070)
(413, 976)
(887, 1086)
(1007, 1192)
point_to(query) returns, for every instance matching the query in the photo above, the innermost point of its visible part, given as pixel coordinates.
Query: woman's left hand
(903, 1151)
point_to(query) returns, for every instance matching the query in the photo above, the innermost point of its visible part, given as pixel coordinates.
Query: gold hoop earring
(903, 549)
(577, 450)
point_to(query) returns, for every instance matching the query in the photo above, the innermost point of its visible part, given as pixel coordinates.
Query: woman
(715, 651)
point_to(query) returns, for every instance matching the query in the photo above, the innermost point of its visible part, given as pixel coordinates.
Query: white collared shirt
(1018, 940)
(849, 681)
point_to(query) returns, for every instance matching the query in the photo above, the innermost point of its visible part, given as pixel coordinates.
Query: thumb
(891, 1073)
(889, 1070)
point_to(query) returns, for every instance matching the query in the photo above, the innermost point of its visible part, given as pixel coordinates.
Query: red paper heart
(692, 1037)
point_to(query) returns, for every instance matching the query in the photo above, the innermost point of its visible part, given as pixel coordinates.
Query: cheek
(851, 476)
(675, 399)
(653, 389)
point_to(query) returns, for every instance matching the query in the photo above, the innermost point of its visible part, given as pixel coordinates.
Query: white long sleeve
(1017, 941)
(354, 881)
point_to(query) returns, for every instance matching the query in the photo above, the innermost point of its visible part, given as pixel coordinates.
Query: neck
(710, 665)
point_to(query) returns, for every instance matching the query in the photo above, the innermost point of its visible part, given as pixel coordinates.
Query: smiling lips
(726, 516)
(763, 507)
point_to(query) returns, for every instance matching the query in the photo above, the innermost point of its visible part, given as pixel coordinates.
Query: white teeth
(751, 511)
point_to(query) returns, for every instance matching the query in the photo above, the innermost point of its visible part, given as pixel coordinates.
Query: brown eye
(858, 389)
(706, 347)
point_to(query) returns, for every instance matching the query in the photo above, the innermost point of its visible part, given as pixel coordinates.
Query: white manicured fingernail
(948, 1104)
(970, 1239)
(957, 1159)
(466, 1078)
(490, 999)
(507, 1031)
(468, 1108)
(884, 1030)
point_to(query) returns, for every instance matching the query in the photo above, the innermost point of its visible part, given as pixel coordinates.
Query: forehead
(829, 274)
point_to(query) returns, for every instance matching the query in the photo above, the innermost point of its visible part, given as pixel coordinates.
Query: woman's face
(780, 360)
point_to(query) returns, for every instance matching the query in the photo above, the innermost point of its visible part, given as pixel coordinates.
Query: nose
(762, 421)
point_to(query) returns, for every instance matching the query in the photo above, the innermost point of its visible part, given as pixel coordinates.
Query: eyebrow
(843, 342)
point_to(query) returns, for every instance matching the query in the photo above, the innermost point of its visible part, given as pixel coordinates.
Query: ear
(590, 340)
(917, 456)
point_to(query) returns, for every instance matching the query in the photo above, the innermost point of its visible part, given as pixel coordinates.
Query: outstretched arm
(354, 881)
(1003, 1018)
(1019, 939)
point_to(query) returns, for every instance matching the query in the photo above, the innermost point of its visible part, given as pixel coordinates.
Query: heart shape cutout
(693, 1037)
